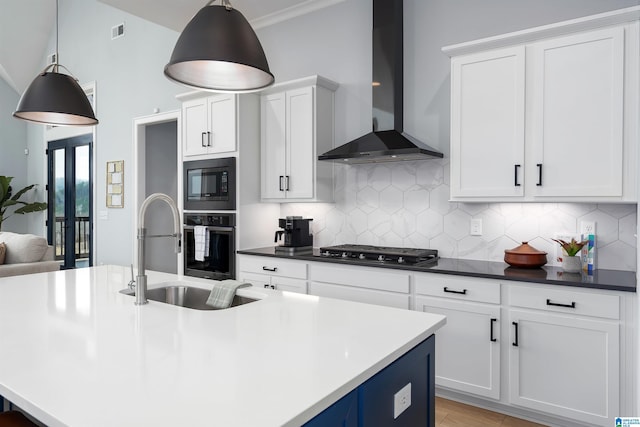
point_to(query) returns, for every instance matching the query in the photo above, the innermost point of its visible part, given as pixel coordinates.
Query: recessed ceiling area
(22, 58)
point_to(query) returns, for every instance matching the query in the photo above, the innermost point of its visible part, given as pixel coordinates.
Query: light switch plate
(401, 400)
(476, 227)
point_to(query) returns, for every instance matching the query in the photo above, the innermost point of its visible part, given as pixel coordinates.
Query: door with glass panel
(70, 221)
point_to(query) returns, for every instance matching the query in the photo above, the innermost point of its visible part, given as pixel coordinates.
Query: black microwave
(210, 184)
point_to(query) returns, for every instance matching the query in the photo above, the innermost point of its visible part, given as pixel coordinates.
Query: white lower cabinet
(273, 273)
(551, 352)
(562, 363)
(468, 346)
(360, 284)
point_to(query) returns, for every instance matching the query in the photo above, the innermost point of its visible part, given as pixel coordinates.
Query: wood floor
(454, 414)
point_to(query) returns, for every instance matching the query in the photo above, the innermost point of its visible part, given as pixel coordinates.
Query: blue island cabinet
(373, 403)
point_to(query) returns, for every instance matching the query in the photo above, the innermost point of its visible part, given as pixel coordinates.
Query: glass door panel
(70, 193)
(82, 205)
(58, 201)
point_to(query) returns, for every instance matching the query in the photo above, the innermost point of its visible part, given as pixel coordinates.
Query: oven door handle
(211, 228)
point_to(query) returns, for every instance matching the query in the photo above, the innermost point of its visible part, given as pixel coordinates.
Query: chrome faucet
(141, 278)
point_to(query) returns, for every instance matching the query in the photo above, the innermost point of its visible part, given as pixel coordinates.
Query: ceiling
(21, 59)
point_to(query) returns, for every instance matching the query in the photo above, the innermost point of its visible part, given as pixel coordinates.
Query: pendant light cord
(55, 66)
(56, 62)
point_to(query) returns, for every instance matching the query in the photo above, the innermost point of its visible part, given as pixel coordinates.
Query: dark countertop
(613, 280)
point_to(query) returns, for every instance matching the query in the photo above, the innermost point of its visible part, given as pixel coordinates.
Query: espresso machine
(295, 236)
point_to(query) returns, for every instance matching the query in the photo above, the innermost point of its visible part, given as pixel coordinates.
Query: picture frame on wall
(115, 184)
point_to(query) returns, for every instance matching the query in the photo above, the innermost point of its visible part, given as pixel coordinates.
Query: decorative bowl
(525, 256)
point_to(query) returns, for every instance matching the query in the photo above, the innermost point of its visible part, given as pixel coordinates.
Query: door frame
(53, 133)
(139, 184)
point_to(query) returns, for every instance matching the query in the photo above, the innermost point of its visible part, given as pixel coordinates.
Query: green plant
(7, 200)
(572, 247)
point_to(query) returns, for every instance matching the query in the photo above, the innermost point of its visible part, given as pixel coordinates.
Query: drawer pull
(515, 343)
(539, 166)
(491, 322)
(451, 291)
(557, 304)
(265, 268)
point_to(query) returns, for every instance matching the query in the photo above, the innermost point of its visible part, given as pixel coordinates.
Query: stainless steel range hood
(387, 142)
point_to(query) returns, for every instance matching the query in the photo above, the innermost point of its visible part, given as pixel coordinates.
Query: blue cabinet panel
(376, 396)
(343, 413)
(372, 403)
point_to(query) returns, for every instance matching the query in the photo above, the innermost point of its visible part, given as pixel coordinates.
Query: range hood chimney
(387, 142)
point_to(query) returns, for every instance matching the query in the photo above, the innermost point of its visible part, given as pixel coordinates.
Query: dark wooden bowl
(525, 256)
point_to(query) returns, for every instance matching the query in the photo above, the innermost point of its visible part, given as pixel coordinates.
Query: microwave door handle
(211, 228)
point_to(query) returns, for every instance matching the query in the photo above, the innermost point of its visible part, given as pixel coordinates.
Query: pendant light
(55, 98)
(219, 51)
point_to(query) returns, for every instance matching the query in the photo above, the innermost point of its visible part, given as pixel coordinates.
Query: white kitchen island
(76, 352)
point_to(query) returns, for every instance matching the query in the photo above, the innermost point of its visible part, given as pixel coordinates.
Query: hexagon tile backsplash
(407, 204)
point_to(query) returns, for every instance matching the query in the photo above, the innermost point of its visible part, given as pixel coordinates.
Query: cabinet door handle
(281, 185)
(208, 139)
(287, 181)
(202, 139)
(539, 183)
(451, 291)
(557, 304)
(515, 176)
(491, 322)
(515, 343)
(266, 286)
(265, 268)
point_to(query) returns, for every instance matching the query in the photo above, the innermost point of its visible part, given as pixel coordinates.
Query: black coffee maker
(296, 233)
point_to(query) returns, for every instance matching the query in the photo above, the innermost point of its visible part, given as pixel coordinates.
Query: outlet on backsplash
(588, 253)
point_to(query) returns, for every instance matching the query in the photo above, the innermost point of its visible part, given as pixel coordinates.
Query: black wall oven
(209, 246)
(210, 184)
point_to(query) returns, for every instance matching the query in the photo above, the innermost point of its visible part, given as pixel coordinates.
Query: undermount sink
(186, 296)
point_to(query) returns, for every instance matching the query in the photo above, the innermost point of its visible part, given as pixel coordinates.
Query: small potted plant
(572, 262)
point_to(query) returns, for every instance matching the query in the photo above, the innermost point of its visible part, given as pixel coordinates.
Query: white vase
(572, 264)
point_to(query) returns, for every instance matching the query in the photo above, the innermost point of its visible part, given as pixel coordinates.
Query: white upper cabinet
(537, 116)
(297, 125)
(209, 125)
(487, 124)
(576, 121)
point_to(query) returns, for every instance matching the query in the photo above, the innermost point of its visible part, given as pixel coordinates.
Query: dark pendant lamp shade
(219, 51)
(57, 99)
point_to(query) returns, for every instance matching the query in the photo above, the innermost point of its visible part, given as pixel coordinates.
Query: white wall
(130, 83)
(13, 141)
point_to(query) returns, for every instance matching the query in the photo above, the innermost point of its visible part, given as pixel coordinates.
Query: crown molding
(292, 12)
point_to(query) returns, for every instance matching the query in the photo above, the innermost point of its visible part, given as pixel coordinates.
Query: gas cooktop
(381, 254)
